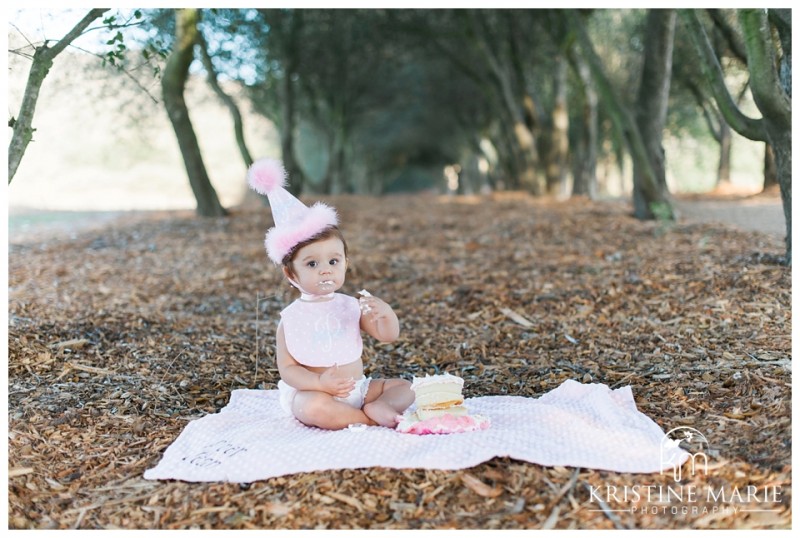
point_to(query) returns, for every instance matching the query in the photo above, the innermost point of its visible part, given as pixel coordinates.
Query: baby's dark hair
(327, 233)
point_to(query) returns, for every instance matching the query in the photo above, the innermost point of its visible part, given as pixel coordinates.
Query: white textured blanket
(574, 425)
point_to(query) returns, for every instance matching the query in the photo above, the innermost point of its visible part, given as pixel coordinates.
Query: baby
(319, 337)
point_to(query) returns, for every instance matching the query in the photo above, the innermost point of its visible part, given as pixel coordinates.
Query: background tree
(43, 57)
(227, 100)
(728, 42)
(376, 100)
(770, 81)
(493, 38)
(651, 113)
(692, 98)
(277, 35)
(584, 131)
(342, 66)
(653, 195)
(173, 83)
(423, 113)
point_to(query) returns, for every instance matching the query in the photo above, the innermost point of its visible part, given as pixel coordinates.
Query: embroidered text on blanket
(215, 454)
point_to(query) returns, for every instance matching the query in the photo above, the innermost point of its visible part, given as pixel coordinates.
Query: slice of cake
(439, 407)
(437, 391)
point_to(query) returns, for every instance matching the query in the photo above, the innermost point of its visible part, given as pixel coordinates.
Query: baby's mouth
(326, 283)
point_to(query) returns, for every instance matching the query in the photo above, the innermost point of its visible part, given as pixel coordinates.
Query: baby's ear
(287, 272)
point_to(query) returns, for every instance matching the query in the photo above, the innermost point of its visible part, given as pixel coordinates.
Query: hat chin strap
(306, 296)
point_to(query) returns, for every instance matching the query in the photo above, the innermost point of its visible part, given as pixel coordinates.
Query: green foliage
(662, 211)
(389, 89)
(617, 37)
(664, 216)
(152, 51)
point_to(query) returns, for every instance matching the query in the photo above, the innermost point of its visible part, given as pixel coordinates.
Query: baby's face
(320, 267)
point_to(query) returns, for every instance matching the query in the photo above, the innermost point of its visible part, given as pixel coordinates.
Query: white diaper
(354, 399)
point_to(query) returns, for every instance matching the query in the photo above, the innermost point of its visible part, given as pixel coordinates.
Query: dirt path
(761, 213)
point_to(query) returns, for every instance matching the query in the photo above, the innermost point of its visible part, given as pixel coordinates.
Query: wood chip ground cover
(119, 337)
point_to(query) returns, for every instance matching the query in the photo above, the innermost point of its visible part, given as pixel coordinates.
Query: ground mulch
(120, 336)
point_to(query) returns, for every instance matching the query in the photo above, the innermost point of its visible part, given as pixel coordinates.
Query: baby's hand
(334, 384)
(373, 307)
(377, 318)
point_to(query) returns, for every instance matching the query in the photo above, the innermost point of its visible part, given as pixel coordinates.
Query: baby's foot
(382, 413)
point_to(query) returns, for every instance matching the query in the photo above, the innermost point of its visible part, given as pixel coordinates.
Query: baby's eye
(334, 261)
(312, 264)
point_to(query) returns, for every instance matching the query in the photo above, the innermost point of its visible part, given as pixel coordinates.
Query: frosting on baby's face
(320, 267)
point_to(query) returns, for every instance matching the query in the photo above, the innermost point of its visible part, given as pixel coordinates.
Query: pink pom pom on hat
(294, 221)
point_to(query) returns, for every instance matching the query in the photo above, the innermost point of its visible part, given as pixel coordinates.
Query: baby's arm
(298, 376)
(378, 319)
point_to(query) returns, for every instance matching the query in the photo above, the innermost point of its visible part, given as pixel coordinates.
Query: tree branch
(744, 125)
(734, 40)
(76, 31)
(772, 101)
(702, 102)
(42, 61)
(227, 100)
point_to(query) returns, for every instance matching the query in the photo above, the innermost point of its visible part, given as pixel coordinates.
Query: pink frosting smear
(444, 424)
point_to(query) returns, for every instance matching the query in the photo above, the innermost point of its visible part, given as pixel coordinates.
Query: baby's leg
(386, 399)
(320, 409)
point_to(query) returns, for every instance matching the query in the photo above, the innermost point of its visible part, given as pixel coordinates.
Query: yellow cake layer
(439, 399)
(425, 414)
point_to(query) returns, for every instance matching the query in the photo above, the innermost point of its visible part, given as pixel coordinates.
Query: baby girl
(319, 336)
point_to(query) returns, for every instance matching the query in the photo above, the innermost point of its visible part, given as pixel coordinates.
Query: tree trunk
(771, 93)
(781, 142)
(782, 19)
(297, 178)
(556, 165)
(528, 175)
(291, 36)
(507, 160)
(651, 111)
(585, 169)
(623, 122)
(336, 181)
(522, 135)
(770, 169)
(238, 125)
(173, 83)
(22, 125)
(725, 142)
(718, 129)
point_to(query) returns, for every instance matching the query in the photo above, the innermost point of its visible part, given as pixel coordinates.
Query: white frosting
(436, 379)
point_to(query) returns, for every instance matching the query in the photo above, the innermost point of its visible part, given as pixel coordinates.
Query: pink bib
(323, 333)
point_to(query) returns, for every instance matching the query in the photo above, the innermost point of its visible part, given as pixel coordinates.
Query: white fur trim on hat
(294, 221)
(282, 238)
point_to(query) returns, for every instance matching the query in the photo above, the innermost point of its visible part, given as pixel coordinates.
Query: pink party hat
(294, 221)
